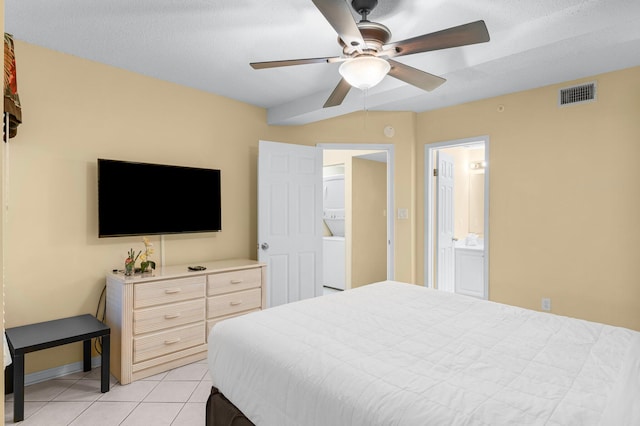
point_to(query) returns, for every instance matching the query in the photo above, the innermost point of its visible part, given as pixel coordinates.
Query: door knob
(264, 246)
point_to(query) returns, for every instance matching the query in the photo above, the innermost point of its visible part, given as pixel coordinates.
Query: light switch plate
(403, 213)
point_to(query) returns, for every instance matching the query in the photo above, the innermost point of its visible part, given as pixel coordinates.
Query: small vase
(145, 268)
(129, 269)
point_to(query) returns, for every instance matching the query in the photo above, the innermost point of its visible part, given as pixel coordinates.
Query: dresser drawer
(167, 291)
(227, 282)
(166, 342)
(227, 304)
(212, 322)
(167, 316)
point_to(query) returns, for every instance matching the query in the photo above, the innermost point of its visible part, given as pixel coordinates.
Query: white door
(290, 220)
(445, 220)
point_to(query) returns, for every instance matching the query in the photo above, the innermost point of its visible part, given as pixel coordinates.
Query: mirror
(476, 202)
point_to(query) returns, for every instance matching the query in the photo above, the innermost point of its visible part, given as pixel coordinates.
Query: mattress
(391, 353)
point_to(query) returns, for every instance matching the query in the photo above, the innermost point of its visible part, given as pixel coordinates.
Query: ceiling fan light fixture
(364, 72)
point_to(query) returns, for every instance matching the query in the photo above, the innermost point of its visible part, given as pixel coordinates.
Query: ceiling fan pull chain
(364, 106)
(364, 99)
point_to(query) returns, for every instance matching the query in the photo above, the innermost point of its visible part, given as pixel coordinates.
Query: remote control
(197, 268)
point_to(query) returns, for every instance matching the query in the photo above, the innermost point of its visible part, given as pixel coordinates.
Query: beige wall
(564, 196)
(476, 193)
(476, 202)
(369, 224)
(76, 112)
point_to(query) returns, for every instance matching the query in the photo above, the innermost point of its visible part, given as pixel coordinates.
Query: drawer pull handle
(236, 303)
(172, 290)
(236, 281)
(171, 342)
(171, 316)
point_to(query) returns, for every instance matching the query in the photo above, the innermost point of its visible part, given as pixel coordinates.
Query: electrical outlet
(546, 304)
(403, 213)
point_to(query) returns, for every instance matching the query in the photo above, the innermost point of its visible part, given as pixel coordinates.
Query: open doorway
(456, 216)
(357, 242)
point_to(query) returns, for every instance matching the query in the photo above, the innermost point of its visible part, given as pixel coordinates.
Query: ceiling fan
(367, 53)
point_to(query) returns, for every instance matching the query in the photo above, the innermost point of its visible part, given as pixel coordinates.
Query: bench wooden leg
(86, 355)
(18, 387)
(105, 361)
(8, 379)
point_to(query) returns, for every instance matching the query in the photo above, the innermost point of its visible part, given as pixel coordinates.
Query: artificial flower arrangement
(146, 265)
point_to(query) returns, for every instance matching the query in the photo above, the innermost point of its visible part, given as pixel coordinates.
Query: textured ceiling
(208, 44)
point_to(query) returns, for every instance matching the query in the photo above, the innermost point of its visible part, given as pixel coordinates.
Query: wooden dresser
(161, 321)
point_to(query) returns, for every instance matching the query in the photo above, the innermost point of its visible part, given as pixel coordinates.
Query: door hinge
(435, 172)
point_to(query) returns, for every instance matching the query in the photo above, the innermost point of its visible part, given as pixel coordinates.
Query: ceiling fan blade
(338, 13)
(462, 35)
(338, 94)
(289, 62)
(414, 76)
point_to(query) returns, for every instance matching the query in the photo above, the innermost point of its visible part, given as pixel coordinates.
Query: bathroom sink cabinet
(469, 275)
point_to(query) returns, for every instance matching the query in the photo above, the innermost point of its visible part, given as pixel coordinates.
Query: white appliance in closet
(334, 255)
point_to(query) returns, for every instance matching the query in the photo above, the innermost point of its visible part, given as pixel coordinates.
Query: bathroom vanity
(469, 275)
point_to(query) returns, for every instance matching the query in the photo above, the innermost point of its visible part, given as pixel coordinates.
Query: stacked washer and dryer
(334, 246)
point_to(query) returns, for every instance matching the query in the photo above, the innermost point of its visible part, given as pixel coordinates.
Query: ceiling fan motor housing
(374, 34)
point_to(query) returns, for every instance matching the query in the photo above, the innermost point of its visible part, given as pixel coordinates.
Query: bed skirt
(221, 412)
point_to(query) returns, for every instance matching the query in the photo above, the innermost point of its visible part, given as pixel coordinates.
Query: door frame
(429, 219)
(389, 148)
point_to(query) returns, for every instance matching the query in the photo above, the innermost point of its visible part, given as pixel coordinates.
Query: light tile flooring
(177, 397)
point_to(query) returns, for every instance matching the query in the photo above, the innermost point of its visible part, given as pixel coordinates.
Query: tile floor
(176, 397)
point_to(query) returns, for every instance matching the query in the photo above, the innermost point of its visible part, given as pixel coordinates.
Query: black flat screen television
(151, 199)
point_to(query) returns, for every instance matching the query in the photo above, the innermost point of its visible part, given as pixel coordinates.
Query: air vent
(577, 94)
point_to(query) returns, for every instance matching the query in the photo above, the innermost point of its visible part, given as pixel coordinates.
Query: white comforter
(398, 354)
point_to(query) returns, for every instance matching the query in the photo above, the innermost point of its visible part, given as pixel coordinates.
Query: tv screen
(147, 199)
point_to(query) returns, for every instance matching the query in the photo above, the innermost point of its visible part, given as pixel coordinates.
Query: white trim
(57, 372)
(428, 216)
(390, 193)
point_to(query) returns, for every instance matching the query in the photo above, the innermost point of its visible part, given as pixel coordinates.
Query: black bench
(34, 337)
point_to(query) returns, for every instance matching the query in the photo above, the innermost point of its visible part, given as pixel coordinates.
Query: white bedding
(398, 354)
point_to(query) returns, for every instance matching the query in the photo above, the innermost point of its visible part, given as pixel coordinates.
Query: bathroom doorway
(456, 216)
(358, 241)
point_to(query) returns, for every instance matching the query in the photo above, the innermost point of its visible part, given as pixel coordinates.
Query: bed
(392, 353)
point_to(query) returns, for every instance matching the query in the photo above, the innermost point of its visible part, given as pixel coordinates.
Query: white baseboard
(56, 372)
